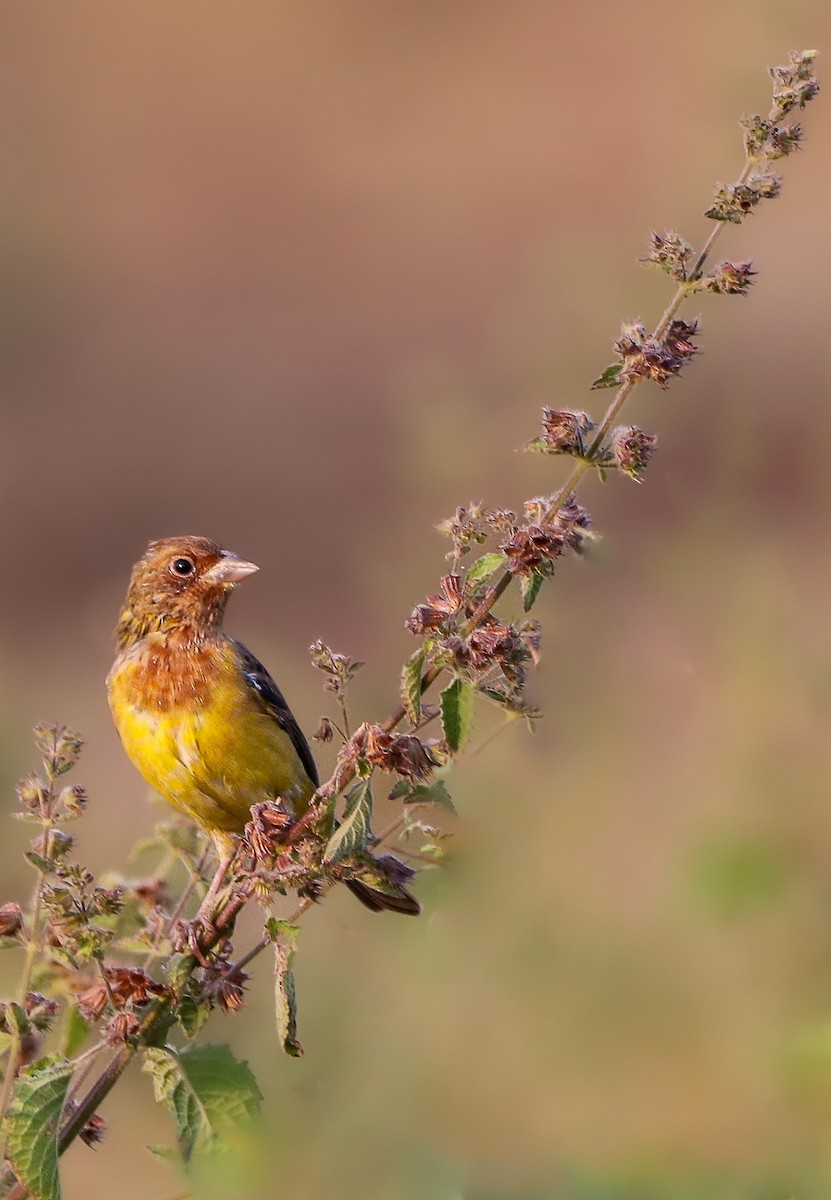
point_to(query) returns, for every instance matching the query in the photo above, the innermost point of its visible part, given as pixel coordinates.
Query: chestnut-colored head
(180, 582)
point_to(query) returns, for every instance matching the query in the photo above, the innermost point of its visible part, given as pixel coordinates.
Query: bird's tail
(379, 885)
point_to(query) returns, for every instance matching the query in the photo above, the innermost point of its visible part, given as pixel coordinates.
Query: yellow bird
(199, 716)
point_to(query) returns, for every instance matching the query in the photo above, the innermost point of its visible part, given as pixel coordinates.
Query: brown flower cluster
(399, 753)
(123, 987)
(632, 449)
(669, 252)
(727, 279)
(535, 546)
(466, 528)
(437, 609)
(223, 983)
(658, 359)
(733, 201)
(564, 431)
(794, 84)
(508, 648)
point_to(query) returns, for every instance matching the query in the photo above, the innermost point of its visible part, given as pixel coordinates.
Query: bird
(202, 719)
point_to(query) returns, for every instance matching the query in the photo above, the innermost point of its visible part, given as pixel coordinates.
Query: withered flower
(325, 731)
(131, 986)
(92, 1002)
(11, 920)
(265, 833)
(151, 893)
(564, 431)
(727, 279)
(658, 359)
(669, 252)
(531, 547)
(224, 984)
(632, 449)
(93, 1131)
(465, 527)
(433, 614)
(794, 85)
(121, 1028)
(732, 202)
(41, 1010)
(400, 753)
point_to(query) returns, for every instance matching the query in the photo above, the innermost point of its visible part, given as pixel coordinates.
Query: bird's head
(180, 582)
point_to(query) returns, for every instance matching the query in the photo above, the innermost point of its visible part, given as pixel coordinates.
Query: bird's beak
(229, 570)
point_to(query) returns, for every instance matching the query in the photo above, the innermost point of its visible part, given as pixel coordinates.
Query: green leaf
(31, 1127)
(411, 685)
(457, 713)
(422, 793)
(485, 566)
(285, 998)
(354, 832)
(190, 1014)
(609, 378)
(208, 1091)
(529, 586)
(74, 1030)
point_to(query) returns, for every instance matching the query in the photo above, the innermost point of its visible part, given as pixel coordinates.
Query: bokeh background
(298, 276)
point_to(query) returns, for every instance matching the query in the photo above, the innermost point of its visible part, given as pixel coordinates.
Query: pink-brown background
(298, 276)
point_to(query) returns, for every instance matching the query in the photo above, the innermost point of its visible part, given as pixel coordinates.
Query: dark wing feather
(274, 703)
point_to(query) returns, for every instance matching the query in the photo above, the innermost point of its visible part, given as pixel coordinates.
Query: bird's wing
(271, 699)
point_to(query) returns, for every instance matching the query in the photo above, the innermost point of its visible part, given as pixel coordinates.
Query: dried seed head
(669, 252)
(732, 202)
(224, 984)
(325, 731)
(532, 547)
(92, 1002)
(647, 357)
(11, 920)
(151, 893)
(794, 85)
(433, 614)
(265, 834)
(764, 140)
(32, 793)
(93, 1132)
(727, 279)
(466, 528)
(632, 449)
(564, 431)
(121, 1029)
(400, 753)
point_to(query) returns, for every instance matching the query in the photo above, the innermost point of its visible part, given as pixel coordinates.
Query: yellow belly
(212, 759)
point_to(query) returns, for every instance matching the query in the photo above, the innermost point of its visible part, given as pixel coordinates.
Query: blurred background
(298, 276)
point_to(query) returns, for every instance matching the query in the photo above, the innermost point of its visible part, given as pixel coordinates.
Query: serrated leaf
(285, 997)
(485, 566)
(529, 586)
(191, 1015)
(609, 377)
(354, 831)
(423, 793)
(74, 1030)
(411, 685)
(457, 713)
(31, 1128)
(208, 1091)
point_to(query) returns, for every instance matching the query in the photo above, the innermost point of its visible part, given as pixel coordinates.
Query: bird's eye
(182, 566)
